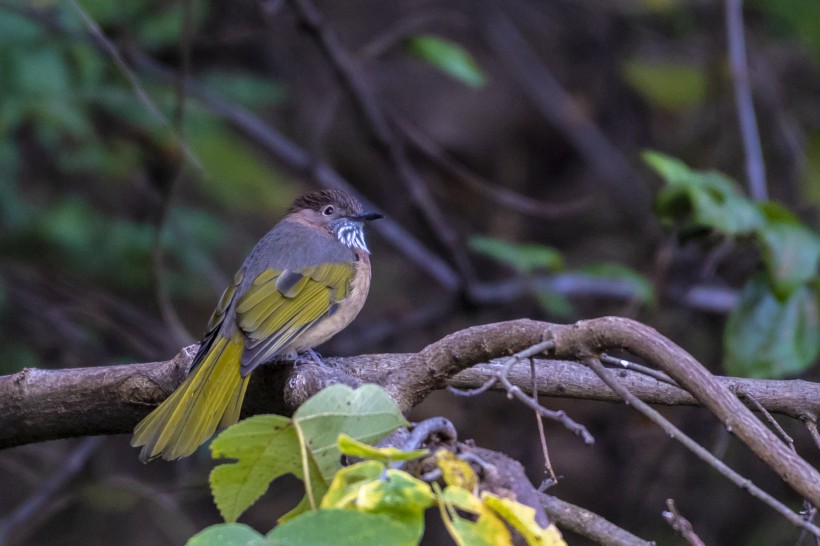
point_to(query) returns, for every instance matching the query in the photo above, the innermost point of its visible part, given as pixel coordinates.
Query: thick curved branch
(590, 337)
(39, 405)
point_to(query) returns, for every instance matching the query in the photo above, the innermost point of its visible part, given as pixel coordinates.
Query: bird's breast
(344, 313)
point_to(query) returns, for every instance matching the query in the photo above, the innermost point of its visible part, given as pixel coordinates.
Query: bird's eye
(328, 210)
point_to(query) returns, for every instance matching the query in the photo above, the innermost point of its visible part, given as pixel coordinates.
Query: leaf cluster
(366, 503)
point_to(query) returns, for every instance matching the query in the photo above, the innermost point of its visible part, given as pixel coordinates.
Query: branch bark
(38, 405)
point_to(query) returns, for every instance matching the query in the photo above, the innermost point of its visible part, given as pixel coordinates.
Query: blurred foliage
(530, 259)
(773, 331)
(449, 57)
(524, 258)
(666, 85)
(85, 164)
(85, 167)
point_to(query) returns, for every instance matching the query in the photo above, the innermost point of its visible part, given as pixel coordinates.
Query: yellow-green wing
(280, 305)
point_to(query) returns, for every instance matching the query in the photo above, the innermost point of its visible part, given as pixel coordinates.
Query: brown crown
(317, 200)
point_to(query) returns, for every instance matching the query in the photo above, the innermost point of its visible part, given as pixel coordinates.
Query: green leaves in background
(769, 337)
(673, 86)
(701, 200)
(524, 258)
(791, 251)
(773, 331)
(269, 446)
(636, 283)
(529, 259)
(450, 58)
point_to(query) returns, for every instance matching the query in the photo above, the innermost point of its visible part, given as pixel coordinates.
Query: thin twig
(681, 524)
(587, 523)
(697, 449)
(634, 366)
(298, 160)
(348, 73)
(755, 169)
(541, 434)
(557, 107)
(775, 425)
(499, 194)
(112, 51)
(811, 425)
(409, 26)
(514, 391)
(74, 463)
(163, 294)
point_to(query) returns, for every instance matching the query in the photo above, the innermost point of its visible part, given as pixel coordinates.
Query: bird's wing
(279, 305)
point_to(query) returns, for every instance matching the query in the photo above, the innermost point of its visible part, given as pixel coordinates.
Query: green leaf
(227, 534)
(354, 448)
(700, 199)
(524, 258)
(791, 251)
(450, 58)
(554, 303)
(265, 447)
(673, 86)
(342, 528)
(238, 177)
(769, 338)
(367, 414)
(249, 90)
(640, 285)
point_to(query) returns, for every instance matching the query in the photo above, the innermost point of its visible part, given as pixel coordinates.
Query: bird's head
(336, 211)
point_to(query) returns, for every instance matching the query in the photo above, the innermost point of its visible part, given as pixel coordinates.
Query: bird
(302, 283)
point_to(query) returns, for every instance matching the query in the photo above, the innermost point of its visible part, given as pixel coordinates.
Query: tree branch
(39, 405)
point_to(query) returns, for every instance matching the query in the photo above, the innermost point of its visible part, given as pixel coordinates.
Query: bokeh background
(128, 199)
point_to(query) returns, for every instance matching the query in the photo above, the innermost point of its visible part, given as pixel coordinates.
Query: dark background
(89, 170)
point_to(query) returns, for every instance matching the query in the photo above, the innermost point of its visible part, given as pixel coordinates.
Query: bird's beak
(367, 217)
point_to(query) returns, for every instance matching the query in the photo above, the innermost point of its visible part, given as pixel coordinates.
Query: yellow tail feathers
(210, 396)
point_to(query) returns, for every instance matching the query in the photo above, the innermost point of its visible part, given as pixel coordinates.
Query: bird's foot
(309, 357)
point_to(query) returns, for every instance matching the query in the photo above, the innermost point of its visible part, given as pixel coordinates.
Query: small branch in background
(539, 421)
(514, 391)
(640, 368)
(701, 452)
(498, 194)
(775, 425)
(298, 160)
(811, 425)
(680, 524)
(409, 26)
(22, 516)
(588, 524)
(755, 169)
(610, 166)
(102, 41)
(376, 122)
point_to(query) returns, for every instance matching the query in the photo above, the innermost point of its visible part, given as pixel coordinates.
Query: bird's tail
(210, 396)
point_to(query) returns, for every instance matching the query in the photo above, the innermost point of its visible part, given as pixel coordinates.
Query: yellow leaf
(344, 489)
(456, 471)
(487, 530)
(522, 519)
(354, 448)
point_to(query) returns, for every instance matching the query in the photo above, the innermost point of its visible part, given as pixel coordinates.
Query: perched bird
(302, 283)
